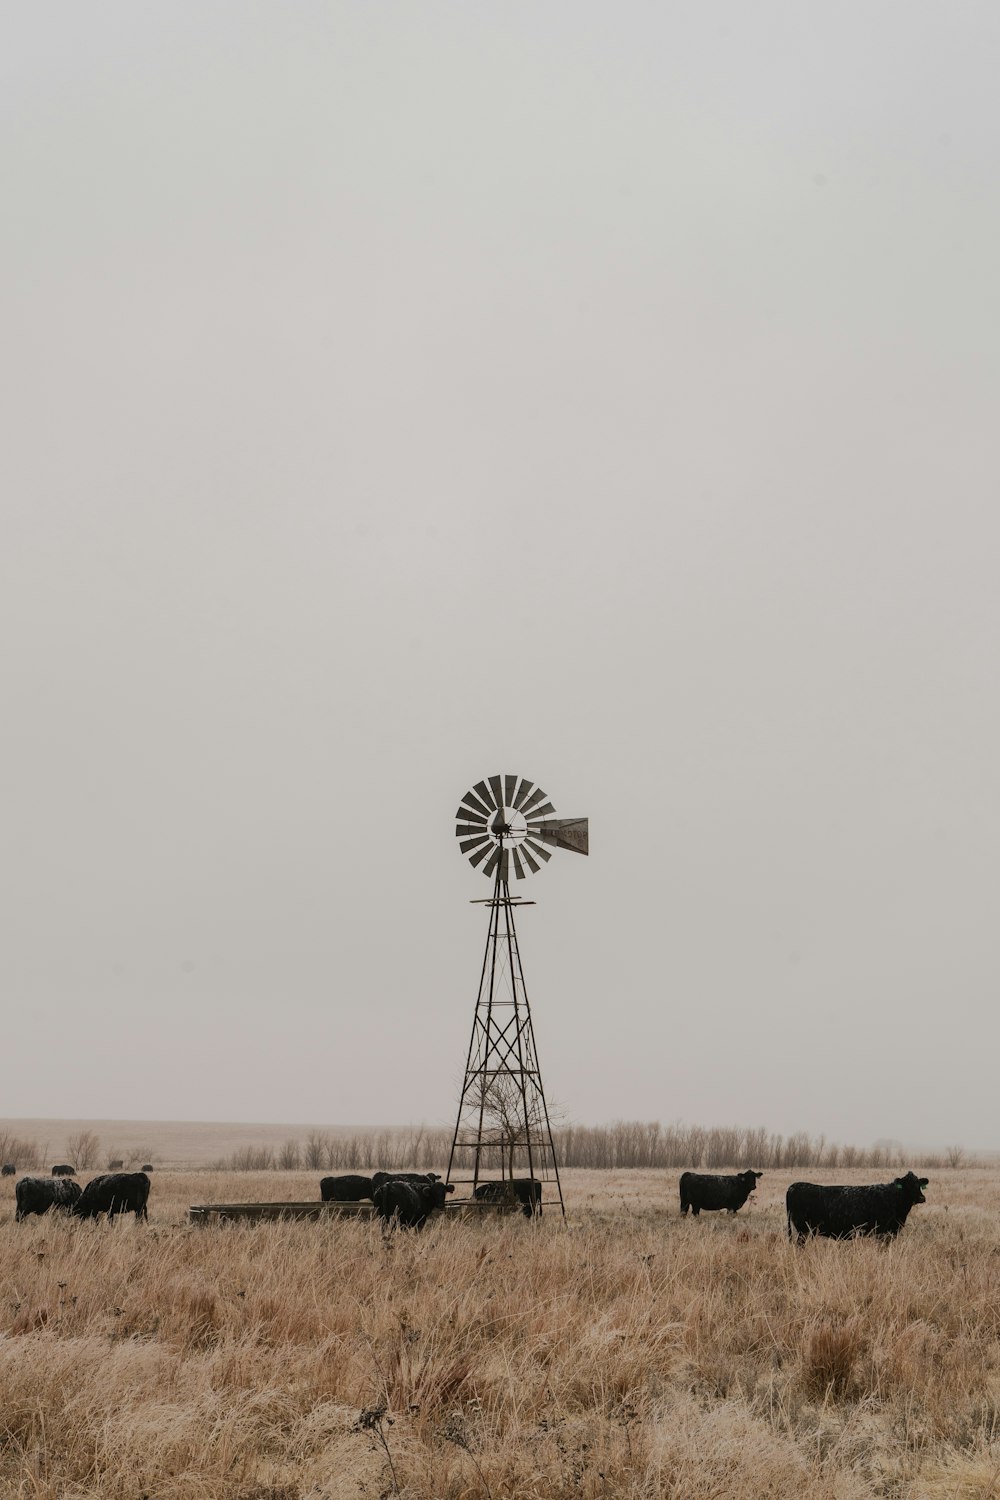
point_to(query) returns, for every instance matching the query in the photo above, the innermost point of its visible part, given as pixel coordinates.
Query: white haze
(399, 394)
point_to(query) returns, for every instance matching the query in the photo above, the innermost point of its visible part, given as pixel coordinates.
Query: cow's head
(911, 1187)
(433, 1195)
(749, 1179)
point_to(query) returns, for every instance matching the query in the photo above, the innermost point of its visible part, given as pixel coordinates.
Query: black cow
(36, 1195)
(8, 1169)
(116, 1165)
(408, 1204)
(379, 1179)
(700, 1190)
(114, 1193)
(839, 1213)
(346, 1189)
(64, 1171)
(524, 1190)
(147, 1166)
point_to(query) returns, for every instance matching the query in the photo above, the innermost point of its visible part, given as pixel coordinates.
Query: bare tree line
(83, 1151)
(622, 1145)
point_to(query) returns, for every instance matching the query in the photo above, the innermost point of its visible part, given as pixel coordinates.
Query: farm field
(627, 1353)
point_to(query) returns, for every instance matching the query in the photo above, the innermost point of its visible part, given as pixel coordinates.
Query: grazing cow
(8, 1169)
(524, 1190)
(116, 1165)
(63, 1171)
(408, 1204)
(700, 1190)
(379, 1179)
(114, 1193)
(36, 1195)
(346, 1189)
(147, 1166)
(839, 1213)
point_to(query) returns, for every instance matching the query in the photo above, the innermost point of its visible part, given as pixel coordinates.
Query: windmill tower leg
(503, 1117)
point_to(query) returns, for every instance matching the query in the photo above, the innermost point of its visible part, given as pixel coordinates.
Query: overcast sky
(399, 394)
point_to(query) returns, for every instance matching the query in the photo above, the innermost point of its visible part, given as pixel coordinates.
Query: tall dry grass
(628, 1353)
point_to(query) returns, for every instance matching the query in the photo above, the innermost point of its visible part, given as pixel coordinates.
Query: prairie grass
(627, 1353)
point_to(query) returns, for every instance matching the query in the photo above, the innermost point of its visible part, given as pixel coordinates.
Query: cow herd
(408, 1199)
(405, 1198)
(410, 1196)
(110, 1193)
(834, 1213)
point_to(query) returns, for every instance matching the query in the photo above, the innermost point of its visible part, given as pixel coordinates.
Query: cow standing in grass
(527, 1191)
(114, 1193)
(36, 1195)
(840, 1213)
(700, 1190)
(350, 1188)
(408, 1204)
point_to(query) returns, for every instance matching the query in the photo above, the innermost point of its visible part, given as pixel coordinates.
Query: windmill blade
(493, 860)
(468, 844)
(471, 801)
(541, 812)
(466, 830)
(497, 788)
(532, 864)
(509, 783)
(483, 791)
(536, 848)
(537, 796)
(524, 790)
(565, 833)
(518, 867)
(480, 854)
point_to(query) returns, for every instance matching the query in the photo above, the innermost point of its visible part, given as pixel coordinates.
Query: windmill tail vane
(503, 823)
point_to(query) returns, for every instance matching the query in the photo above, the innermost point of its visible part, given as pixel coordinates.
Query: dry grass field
(627, 1353)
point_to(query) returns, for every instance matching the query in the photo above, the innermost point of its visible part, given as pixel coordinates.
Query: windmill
(504, 823)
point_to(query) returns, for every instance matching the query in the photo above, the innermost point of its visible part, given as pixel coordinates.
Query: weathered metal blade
(467, 844)
(477, 805)
(480, 854)
(565, 833)
(541, 812)
(497, 788)
(523, 791)
(537, 849)
(532, 864)
(509, 783)
(491, 863)
(483, 791)
(537, 796)
(466, 830)
(518, 867)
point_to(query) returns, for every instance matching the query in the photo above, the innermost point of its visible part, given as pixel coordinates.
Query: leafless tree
(83, 1149)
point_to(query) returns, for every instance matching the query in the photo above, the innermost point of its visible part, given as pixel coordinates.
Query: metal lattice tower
(503, 1119)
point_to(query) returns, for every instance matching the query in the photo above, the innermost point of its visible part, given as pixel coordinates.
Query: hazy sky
(399, 394)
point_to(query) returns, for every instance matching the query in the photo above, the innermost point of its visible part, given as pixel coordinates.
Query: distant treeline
(623, 1145)
(83, 1150)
